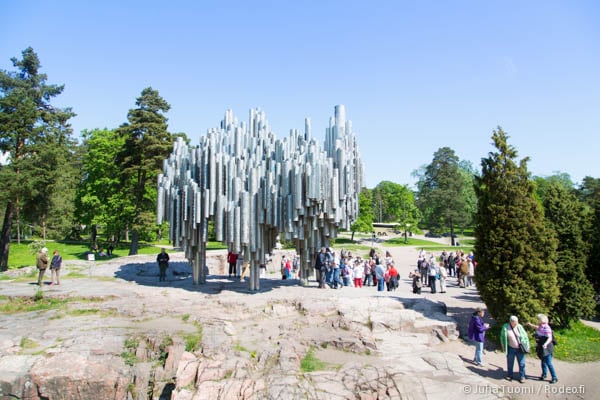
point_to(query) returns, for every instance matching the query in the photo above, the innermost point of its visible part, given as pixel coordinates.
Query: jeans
(328, 276)
(368, 281)
(510, 360)
(432, 284)
(380, 284)
(478, 352)
(547, 365)
(336, 280)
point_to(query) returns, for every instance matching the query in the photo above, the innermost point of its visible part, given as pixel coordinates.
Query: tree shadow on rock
(179, 275)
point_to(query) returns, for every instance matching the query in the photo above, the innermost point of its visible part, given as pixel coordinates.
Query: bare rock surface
(122, 334)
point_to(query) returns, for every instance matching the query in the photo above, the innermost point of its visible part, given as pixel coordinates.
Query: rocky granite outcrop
(136, 338)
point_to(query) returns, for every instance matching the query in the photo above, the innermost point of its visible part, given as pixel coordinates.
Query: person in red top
(394, 276)
(232, 260)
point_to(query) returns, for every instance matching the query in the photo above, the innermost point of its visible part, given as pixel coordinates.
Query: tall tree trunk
(452, 233)
(5, 236)
(135, 244)
(94, 233)
(44, 228)
(18, 223)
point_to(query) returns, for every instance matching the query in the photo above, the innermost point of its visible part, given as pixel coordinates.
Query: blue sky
(414, 75)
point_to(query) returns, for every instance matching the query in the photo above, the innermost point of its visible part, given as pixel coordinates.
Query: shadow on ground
(179, 275)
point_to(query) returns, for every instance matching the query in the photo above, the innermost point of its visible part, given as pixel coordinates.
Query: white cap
(44, 250)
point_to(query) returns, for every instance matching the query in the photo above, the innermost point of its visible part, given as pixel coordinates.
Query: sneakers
(521, 380)
(508, 378)
(542, 377)
(554, 380)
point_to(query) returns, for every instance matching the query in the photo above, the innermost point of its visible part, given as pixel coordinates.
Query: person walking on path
(476, 333)
(163, 263)
(42, 264)
(544, 346)
(512, 338)
(55, 265)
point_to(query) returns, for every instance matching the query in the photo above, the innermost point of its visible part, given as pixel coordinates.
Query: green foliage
(589, 193)
(27, 343)
(577, 343)
(311, 363)
(36, 137)
(564, 212)
(364, 222)
(559, 179)
(516, 274)
(393, 202)
(146, 144)
(193, 341)
(38, 302)
(442, 192)
(99, 199)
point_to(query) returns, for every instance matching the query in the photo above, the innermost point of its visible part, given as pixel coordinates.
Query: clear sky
(414, 75)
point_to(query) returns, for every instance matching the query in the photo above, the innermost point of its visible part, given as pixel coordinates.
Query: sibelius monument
(255, 187)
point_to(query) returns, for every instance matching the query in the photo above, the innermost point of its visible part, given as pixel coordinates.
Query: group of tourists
(336, 271)
(515, 344)
(431, 270)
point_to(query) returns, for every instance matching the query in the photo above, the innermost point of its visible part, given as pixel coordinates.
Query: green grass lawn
(578, 343)
(399, 241)
(20, 255)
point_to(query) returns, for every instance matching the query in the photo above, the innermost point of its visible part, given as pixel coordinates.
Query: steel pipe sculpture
(255, 187)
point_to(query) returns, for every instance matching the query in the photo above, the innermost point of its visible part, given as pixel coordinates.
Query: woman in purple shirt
(545, 346)
(476, 333)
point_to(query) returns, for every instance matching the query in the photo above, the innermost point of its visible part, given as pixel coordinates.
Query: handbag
(522, 348)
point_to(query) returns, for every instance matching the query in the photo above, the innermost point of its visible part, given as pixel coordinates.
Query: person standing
(443, 276)
(512, 336)
(432, 273)
(163, 263)
(232, 261)
(476, 333)
(394, 276)
(379, 274)
(320, 267)
(544, 346)
(55, 265)
(42, 264)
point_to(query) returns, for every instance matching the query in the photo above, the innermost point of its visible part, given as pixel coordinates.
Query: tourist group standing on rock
(335, 270)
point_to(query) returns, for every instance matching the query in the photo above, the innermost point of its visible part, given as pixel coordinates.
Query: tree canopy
(35, 135)
(147, 144)
(516, 273)
(564, 213)
(442, 192)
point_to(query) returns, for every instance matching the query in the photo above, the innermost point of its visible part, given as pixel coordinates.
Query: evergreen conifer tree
(516, 274)
(564, 212)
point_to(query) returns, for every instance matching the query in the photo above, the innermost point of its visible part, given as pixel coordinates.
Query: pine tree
(441, 196)
(147, 145)
(29, 124)
(516, 274)
(564, 212)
